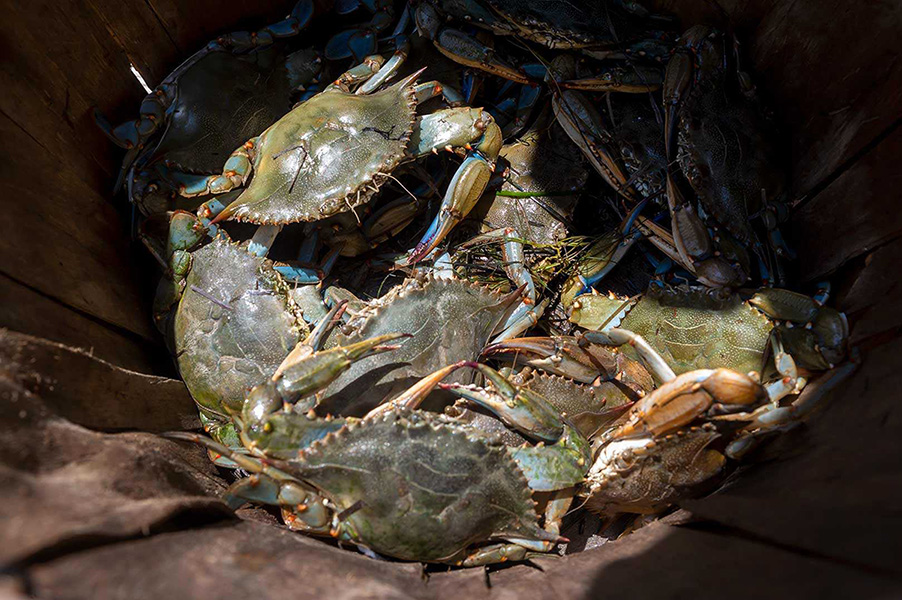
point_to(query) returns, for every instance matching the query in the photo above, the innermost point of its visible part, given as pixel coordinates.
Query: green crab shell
(690, 330)
(591, 408)
(234, 325)
(327, 155)
(450, 321)
(545, 163)
(434, 494)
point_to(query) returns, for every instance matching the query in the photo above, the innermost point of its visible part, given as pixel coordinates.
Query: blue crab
(725, 173)
(598, 30)
(408, 484)
(663, 448)
(333, 152)
(698, 328)
(424, 306)
(182, 127)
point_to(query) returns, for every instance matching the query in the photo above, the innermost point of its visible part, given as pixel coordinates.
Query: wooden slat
(61, 60)
(856, 213)
(94, 393)
(25, 310)
(61, 238)
(872, 298)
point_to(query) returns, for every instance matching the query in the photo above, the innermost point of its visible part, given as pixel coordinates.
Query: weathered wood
(61, 60)
(854, 214)
(25, 310)
(65, 240)
(872, 300)
(93, 393)
(69, 486)
(233, 560)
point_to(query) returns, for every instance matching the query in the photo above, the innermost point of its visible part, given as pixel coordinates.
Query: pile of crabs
(421, 364)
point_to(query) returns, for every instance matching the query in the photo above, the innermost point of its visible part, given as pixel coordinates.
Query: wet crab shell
(327, 156)
(234, 325)
(450, 321)
(646, 475)
(438, 491)
(591, 408)
(728, 150)
(690, 329)
(252, 91)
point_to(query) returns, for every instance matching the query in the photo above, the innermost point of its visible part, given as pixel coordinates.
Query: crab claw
(559, 355)
(688, 397)
(519, 408)
(414, 396)
(471, 178)
(306, 375)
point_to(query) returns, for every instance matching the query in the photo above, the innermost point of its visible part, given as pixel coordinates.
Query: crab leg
(563, 356)
(234, 174)
(268, 484)
(314, 372)
(771, 417)
(483, 143)
(632, 79)
(461, 47)
(360, 41)
(617, 337)
(133, 135)
(388, 70)
(602, 256)
(527, 313)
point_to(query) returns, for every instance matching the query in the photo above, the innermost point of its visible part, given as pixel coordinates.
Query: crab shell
(689, 329)
(645, 475)
(591, 408)
(431, 491)
(234, 325)
(450, 321)
(727, 149)
(327, 156)
(546, 163)
(569, 25)
(252, 91)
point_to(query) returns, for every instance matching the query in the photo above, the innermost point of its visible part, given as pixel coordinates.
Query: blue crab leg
(461, 47)
(387, 70)
(417, 393)
(234, 174)
(260, 245)
(602, 257)
(474, 130)
(617, 337)
(314, 340)
(771, 417)
(527, 313)
(583, 125)
(521, 409)
(301, 378)
(360, 41)
(268, 484)
(297, 273)
(560, 464)
(389, 220)
(359, 73)
(518, 549)
(631, 79)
